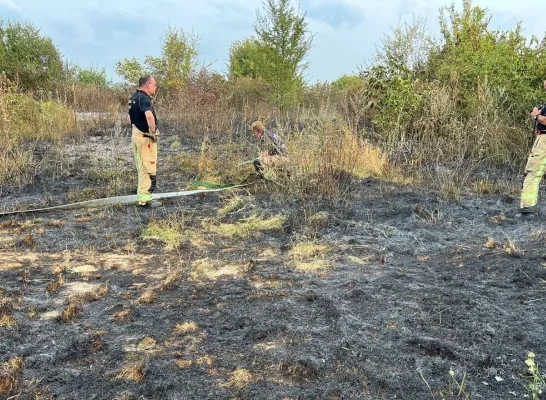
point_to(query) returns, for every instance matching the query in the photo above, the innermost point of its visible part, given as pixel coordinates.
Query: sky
(347, 33)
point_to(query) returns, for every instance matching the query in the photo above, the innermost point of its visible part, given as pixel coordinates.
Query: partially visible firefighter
(273, 152)
(536, 163)
(144, 140)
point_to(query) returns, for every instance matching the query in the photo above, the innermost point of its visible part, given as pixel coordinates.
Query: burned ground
(381, 299)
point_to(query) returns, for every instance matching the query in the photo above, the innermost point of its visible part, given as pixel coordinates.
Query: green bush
(28, 57)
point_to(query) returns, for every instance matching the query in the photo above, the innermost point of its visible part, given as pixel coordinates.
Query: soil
(412, 287)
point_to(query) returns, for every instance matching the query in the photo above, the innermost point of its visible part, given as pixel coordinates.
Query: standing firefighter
(536, 163)
(144, 140)
(275, 153)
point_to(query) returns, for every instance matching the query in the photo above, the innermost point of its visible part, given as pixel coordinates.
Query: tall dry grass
(209, 104)
(441, 134)
(24, 123)
(436, 145)
(481, 152)
(326, 157)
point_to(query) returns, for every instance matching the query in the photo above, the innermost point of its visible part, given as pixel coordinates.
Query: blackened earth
(413, 287)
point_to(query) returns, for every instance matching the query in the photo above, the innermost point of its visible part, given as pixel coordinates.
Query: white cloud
(10, 5)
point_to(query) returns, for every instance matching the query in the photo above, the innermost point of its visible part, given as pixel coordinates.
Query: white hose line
(107, 201)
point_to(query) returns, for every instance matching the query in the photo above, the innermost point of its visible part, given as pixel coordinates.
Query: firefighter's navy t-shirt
(140, 103)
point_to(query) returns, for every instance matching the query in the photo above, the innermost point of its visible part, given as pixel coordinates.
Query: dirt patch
(391, 294)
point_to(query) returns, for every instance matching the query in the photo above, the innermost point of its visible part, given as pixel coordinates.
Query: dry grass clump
(107, 182)
(233, 204)
(17, 165)
(186, 327)
(173, 231)
(10, 376)
(202, 269)
(490, 243)
(314, 266)
(25, 276)
(6, 318)
(56, 223)
(247, 227)
(54, 286)
(147, 297)
(207, 360)
(124, 396)
(114, 177)
(147, 344)
(70, 313)
(309, 257)
(8, 321)
(164, 232)
(98, 344)
(197, 239)
(6, 305)
(205, 268)
(183, 364)
(434, 216)
(326, 158)
(538, 234)
(501, 187)
(91, 296)
(240, 379)
(318, 220)
(122, 316)
(366, 260)
(497, 219)
(306, 250)
(171, 281)
(132, 371)
(512, 249)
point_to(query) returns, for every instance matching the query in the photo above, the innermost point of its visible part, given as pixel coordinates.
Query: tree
(130, 70)
(28, 58)
(177, 63)
(284, 40)
(472, 54)
(246, 59)
(392, 81)
(92, 76)
(348, 83)
(406, 50)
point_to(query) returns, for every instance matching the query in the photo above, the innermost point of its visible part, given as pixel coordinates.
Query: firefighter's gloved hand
(154, 136)
(258, 165)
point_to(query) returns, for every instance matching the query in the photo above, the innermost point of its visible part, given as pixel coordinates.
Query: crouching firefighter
(273, 153)
(536, 163)
(144, 140)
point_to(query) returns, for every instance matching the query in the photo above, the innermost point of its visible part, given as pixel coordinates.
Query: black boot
(528, 212)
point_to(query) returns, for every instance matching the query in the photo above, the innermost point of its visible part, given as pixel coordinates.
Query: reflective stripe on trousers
(534, 171)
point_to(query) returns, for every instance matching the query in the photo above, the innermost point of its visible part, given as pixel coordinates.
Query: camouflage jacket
(274, 142)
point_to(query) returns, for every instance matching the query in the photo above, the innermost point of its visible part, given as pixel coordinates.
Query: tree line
(471, 63)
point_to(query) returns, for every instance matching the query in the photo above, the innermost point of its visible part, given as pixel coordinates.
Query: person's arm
(151, 121)
(146, 107)
(278, 142)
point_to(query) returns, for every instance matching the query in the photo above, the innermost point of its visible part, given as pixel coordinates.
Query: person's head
(257, 128)
(147, 84)
(544, 85)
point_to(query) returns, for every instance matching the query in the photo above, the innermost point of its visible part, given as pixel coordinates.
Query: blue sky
(97, 33)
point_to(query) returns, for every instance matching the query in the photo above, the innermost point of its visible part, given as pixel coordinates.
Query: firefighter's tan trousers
(145, 153)
(534, 171)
